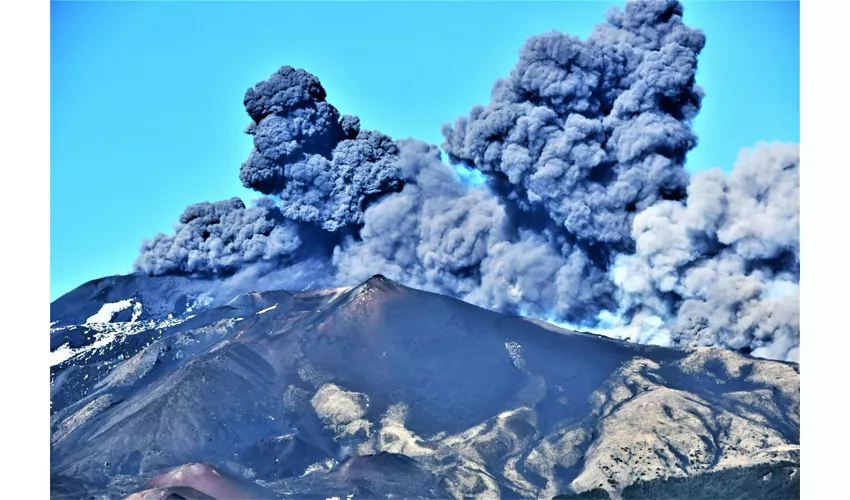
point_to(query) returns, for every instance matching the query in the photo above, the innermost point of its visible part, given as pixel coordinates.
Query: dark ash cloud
(587, 215)
(321, 166)
(217, 239)
(589, 132)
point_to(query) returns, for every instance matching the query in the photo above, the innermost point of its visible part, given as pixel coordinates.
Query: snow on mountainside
(378, 390)
(127, 298)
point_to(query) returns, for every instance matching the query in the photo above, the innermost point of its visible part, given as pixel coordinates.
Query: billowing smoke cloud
(318, 170)
(587, 215)
(321, 166)
(220, 238)
(434, 234)
(725, 265)
(587, 133)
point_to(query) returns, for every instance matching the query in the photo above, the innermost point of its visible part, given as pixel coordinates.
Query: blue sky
(146, 98)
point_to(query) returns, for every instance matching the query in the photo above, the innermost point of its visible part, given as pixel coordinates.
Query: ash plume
(434, 234)
(588, 132)
(321, 166)
(724, 266)
(218, 239)
(587, 216)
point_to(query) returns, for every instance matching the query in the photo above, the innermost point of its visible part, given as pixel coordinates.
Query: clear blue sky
(146, 98)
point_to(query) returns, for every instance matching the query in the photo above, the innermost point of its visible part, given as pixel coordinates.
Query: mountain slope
(379, 389)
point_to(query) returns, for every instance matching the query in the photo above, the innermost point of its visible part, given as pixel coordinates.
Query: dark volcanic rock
(279, 457)
(378, 390)
(391, 473)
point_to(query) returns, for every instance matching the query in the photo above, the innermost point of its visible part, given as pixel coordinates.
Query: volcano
(159, 389)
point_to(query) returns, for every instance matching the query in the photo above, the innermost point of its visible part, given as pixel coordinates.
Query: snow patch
(267, 309)
(106, 334)
(323, 466)
(137, 311)
(107, 311)
(60, 354)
